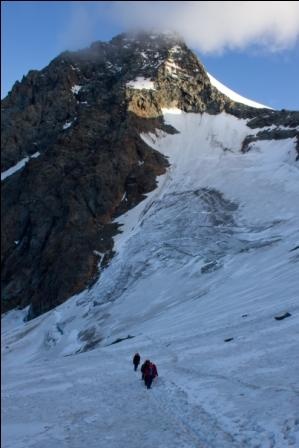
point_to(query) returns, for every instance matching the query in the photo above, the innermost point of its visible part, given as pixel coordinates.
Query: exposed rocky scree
(84, 119)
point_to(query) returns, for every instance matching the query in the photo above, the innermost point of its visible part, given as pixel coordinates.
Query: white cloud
(216, 26)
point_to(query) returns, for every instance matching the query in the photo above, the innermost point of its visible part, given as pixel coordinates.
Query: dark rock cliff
(81, 120)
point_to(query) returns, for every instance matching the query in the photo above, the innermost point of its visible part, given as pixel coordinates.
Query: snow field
(208, 257)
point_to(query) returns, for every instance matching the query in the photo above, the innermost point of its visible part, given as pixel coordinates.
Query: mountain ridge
(84, 117)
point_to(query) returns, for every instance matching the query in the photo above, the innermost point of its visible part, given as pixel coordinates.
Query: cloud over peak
(214, 26)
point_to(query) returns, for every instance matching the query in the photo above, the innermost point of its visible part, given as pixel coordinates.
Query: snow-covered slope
(233, 95)
(204, 265)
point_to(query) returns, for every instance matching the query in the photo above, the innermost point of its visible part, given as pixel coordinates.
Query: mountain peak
(73, 156)
(154, 36)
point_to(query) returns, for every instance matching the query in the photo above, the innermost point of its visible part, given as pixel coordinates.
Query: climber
(136, 361)
(148, 374)
(143, 367)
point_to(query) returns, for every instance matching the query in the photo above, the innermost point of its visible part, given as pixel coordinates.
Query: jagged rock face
(82, 115)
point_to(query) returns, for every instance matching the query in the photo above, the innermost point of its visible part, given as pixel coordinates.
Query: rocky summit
(73, 159)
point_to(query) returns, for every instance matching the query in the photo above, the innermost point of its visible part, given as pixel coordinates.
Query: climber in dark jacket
(136, 361)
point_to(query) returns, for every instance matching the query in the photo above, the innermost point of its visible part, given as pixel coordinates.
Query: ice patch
(67, 125)
(171, 111)
(99, 254)
(76, 89)
(18, 166)
(35, 155)
(141, 83)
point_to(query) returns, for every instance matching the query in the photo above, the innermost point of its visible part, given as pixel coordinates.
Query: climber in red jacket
(148, 374)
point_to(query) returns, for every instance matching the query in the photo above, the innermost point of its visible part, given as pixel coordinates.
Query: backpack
(155, 372)
(149, 371)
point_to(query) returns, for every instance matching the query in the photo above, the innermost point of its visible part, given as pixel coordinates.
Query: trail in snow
(68, 405)
(97, 399)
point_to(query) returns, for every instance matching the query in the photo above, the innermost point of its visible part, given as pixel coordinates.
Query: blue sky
(257, 64)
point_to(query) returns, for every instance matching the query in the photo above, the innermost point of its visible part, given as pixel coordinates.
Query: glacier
(202, 267)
